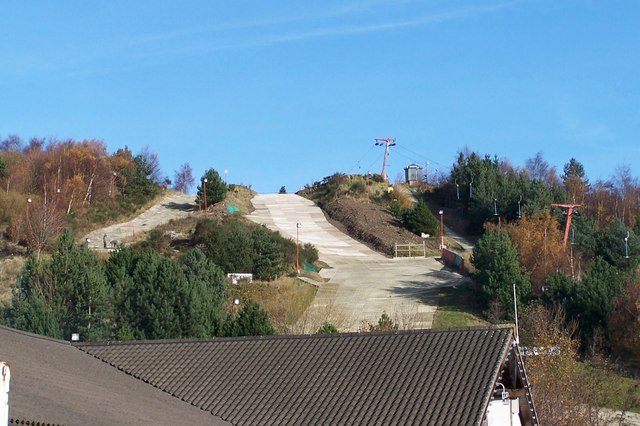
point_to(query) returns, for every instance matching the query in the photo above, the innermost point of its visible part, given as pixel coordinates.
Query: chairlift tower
(569, 214)
(387, 142)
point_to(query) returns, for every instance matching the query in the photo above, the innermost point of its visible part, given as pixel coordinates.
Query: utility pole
(204, 185)
(387, 142)
(569, 214)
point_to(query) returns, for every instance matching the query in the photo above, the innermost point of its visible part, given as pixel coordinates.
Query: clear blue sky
(286, 92)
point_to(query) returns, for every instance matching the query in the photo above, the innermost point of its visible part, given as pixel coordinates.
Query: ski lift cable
(357, 164)
(401, 147)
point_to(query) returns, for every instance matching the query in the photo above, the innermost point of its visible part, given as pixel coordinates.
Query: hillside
(364, 209)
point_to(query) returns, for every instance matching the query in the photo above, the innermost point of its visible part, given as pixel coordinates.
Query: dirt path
(172, 206)
(362, 283)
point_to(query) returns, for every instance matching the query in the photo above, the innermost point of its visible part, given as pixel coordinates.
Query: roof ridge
(292, 336)
(34, 335)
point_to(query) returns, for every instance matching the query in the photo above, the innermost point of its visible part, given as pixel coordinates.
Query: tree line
(593, 278)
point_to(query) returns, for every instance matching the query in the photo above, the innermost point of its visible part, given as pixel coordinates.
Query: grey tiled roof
(420, 377)
(52, 382)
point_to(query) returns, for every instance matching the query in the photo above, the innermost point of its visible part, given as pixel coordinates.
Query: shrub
(420, 220)
(327, 328)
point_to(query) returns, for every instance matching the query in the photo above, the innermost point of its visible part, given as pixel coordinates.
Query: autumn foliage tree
(69, 181)
(538, 241)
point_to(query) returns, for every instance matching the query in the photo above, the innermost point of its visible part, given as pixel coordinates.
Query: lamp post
(204, 191)
(626, 246)
(298, 226)
(112, 186)
(441, 212)
(225, 176)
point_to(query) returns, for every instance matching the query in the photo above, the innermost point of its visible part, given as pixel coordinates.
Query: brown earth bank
(372, 225)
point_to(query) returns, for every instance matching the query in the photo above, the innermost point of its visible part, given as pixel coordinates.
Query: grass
(240, 196)
(457, 308)
(10, 268)
(612, 389)
(285, 299)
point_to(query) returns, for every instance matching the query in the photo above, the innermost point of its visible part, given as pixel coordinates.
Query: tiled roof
(419, 377)
(54, 383)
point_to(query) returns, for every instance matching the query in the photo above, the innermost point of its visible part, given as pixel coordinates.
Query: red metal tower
(569, 214)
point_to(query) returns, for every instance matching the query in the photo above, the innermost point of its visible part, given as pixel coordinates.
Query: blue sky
(286, 92)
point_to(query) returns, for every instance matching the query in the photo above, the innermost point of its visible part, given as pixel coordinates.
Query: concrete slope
(172, 206)
(362, 283)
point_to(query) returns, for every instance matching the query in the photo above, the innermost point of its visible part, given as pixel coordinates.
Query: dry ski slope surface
(362, 283)
(172, 206)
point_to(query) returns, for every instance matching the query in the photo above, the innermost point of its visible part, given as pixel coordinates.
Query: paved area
(362, 283)
(173, 206)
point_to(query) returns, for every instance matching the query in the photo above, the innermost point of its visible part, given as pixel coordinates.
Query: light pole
(204, 191)
(626, 246)
(225, 176)
(112, 187)
(28, 219)
(298, 226)
(441, 212)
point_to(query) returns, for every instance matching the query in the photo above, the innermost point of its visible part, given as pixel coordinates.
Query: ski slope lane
(362, 284)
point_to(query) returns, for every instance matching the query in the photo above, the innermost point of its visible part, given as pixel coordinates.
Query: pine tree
(216, 188)
(251, 321)
(496, 261)
(420, 220)
(206, 293)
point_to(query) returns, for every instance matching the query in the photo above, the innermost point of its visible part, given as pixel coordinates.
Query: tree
(589, 301)
(611, 246)
(142, 184)
(11, 143)
(251, 321)
(32, 306)
(268, 258)
(385, 323)
(207, 292)
(624, 323)
(566, 393)
(153, 302)
(420, 220)
(283, 190)
(183, 180)
(539, 169)
(82, 289)
(538, 240)
(216, 188)
(65, 295)
(43, 223)
(575, 183)
(498, 269)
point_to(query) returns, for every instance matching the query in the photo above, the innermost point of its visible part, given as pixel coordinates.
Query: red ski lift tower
(569, 214)
(387, 142)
